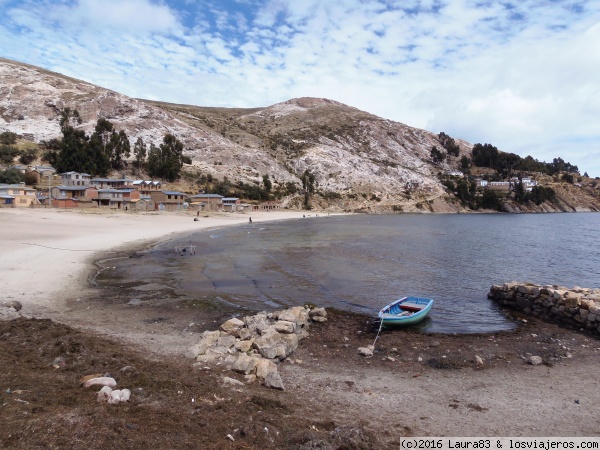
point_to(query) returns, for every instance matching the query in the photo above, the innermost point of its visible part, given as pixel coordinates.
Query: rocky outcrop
(578, 307)
(253, 346)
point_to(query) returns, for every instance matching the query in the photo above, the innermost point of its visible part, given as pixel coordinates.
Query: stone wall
(578, 307)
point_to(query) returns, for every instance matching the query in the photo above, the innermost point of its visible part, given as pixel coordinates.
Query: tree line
(107, 149)
(486, 155)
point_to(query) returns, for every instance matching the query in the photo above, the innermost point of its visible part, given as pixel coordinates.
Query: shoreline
(49, 255)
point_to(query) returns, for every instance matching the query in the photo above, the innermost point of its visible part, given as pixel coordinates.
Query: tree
(7, 154)
(172, 153)
(153, 165)
(267, 183)
(31, 178)
(436, 155)
(73, 150)
(166, 161)
(490, 200)
(121, 149)
(28, 156)
(465, 164)
(114, 145)
(11, 176)
(139, 152)
(505, 164)
(520, 193)
(568, 177)
(449, 144)
(8, 138)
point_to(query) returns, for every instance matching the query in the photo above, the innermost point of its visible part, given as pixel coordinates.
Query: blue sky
(523, 75)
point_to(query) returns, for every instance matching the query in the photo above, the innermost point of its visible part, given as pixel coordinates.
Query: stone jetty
(578, 307)
(253, 346)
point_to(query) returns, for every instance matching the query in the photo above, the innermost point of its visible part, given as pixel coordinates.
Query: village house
(207, 202)
(110, 183)
(168, 200)
(75, 179)
(118, 198)
(499, 185)
(72, 196)
(268, 206)
(145, 187)
(17, 195)
(144, 204)
(454, 173)
(230, 203)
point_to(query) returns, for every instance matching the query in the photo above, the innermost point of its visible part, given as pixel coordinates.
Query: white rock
(232, 381)
(125, 395)
(101, 381)
(366, 351)
(534, 360)
(317, 312)
(104, 394)
(115, 397)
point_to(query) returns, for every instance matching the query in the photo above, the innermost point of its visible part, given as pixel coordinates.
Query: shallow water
(364, 262)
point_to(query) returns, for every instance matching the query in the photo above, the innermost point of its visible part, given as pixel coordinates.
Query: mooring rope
(377, 337)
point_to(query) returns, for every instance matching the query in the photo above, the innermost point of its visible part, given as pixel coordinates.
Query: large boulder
(275, 345)
(317, 312)
(273, 380)
(244, 364)
(233, 326)
(297, 314)
(226, 341)
(283, 326)
(244, 346)
(257, 322)
(264, 367)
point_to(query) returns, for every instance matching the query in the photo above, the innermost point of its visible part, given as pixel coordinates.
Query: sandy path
(46, 254)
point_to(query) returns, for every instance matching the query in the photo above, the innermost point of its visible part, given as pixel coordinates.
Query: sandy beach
(46, 253)
(415, 384)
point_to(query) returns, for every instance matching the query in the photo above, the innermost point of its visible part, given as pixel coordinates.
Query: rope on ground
(377, 337)
(69, 249)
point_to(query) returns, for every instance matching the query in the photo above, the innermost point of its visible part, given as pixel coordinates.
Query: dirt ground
(415, 384)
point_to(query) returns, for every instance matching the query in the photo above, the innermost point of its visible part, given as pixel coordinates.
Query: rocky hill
(360, 162)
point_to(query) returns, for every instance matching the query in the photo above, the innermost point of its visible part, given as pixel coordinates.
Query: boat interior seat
(410, 308)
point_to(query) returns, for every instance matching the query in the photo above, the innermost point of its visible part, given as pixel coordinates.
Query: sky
(523, 75)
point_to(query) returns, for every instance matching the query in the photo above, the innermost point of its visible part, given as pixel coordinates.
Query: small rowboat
(405, 311)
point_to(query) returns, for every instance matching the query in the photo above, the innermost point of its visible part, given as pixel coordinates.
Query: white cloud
(522, 77)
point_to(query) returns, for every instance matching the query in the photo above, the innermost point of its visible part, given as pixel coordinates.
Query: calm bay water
(363, 262)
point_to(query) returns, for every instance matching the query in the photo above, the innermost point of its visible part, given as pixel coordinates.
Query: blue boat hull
(405, 311)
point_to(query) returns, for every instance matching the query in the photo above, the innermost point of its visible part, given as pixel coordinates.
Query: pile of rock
(579, 307)
(252, 346)
(107, 394)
